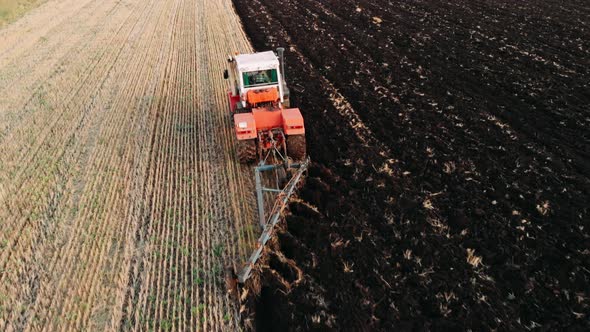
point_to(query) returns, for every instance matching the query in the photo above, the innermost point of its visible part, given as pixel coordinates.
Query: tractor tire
(296, 147)
(246, 151)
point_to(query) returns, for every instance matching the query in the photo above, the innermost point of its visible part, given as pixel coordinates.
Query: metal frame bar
(259, 195)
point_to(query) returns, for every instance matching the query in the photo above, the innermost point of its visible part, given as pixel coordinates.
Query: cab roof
(256, 61)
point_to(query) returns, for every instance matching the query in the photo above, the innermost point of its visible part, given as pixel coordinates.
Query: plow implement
(269, 219)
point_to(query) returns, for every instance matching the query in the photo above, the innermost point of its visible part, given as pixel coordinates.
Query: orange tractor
(266, 127)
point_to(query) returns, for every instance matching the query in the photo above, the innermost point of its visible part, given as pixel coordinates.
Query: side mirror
(225, 74)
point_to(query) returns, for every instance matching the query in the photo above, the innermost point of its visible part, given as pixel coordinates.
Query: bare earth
(121, 200)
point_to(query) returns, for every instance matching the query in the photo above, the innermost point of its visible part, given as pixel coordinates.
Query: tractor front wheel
(246, 151)
(296, 147)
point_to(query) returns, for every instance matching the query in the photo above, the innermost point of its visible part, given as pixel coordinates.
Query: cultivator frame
(267, 223)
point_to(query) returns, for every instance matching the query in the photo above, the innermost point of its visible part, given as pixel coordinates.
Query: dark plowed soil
(451, 185)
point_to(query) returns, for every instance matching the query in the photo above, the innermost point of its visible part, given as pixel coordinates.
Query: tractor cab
(256, 80)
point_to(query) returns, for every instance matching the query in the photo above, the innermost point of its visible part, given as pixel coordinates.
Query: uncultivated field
(452, 177)
(121, 200)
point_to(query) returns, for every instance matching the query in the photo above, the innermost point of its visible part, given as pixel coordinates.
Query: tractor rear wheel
(296, 147)
(246, 151)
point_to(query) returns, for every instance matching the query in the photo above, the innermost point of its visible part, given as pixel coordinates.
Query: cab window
(260, 77)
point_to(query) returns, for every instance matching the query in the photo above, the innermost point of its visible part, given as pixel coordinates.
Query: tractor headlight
(243, 125)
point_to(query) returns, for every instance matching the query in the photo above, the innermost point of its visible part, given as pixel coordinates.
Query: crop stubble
(121, 199)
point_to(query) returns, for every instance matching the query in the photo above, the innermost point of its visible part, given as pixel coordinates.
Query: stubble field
(121, 200)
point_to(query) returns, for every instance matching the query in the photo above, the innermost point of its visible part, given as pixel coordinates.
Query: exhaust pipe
(286, 93)
(281, 54)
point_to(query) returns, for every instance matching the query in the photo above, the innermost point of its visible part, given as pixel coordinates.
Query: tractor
(267, 129)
